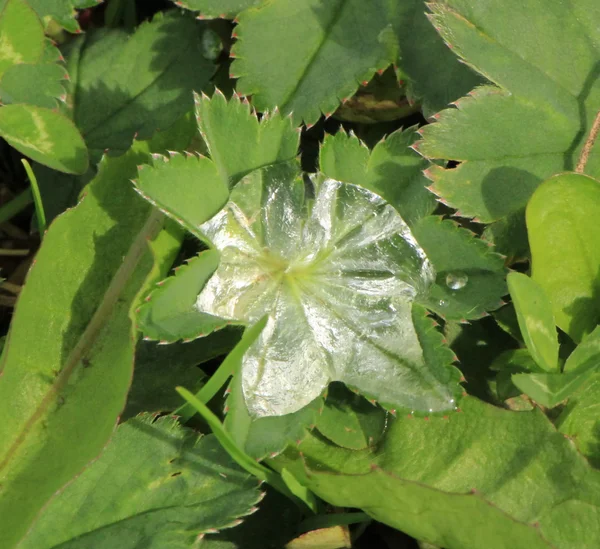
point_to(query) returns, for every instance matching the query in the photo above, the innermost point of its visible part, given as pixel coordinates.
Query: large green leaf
(156, 485)
(38, 85)
(470, 277)
(533, 123)
(45, 136)
(21, 35)
(336, 276)
(125, 85)
(562, 222)
(392, 170)
(431, 478)
(68, 362)
(330, 48)
(536, 321)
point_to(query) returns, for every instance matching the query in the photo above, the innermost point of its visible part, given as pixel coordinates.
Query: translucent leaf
(533, 122)
(156, 485)
(336, 274)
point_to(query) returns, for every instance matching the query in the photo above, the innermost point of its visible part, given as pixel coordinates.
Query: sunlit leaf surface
(336, 274)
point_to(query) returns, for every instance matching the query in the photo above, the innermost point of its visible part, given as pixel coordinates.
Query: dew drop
(443, 303)
(457, 280)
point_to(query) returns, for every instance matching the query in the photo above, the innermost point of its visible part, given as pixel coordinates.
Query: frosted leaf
(336, 274)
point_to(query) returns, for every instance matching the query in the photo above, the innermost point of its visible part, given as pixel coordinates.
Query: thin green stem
(37, 198)
(228, 368)
(15, 206)
(239, 456)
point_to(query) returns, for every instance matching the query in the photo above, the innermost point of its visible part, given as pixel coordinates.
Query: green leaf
(564, 237)
(551, 389)
(533, 122)
(169, 313)
(238, 143)
(187, 188)
(160, 368)
(21, 35)
(426, 479)
(336, 275)
(470, 277)
(38, 85)
(45, 136)
(156, 485)
(357, 39)
(536, 321)
(68, 363)
(266, 436)
(125, 85)
(392, 170)
(349, 420)
(62, 11)
(218, 8)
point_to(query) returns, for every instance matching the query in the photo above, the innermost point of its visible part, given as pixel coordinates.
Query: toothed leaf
(187, 188)
(238, 143)
(21, 35)
(62, 11)
(548, 85)
(391, 170)
(336, 276)
(266, 436)
(562, 220)
(38, 85)
(170, 312)
(123, 84)
(156, 485)
(470, 277)
(356, 38)
(349, 420)
(218, 8)
(423, 479)
(45, 136)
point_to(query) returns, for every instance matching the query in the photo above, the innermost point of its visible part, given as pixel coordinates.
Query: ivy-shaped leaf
(336, 275)
(357, 39)
(156, 485)
(125, 85)
(533, 122)
(392, 170)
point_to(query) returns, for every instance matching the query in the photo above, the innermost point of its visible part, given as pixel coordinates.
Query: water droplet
(443, 303)
(457, 280)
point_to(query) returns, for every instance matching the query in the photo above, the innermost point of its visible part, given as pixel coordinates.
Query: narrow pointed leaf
(67, 366)
(562, 222)
(336, 276)
(536, 321)
(45, 136)
(156, 484)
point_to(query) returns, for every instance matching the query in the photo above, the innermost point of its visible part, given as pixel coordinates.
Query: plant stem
(15, 206)
(587, 148)
(37, 198)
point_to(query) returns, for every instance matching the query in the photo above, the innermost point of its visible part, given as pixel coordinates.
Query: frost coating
(337, 275)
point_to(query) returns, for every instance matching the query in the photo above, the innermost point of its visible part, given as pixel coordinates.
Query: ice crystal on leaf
(336, 269)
